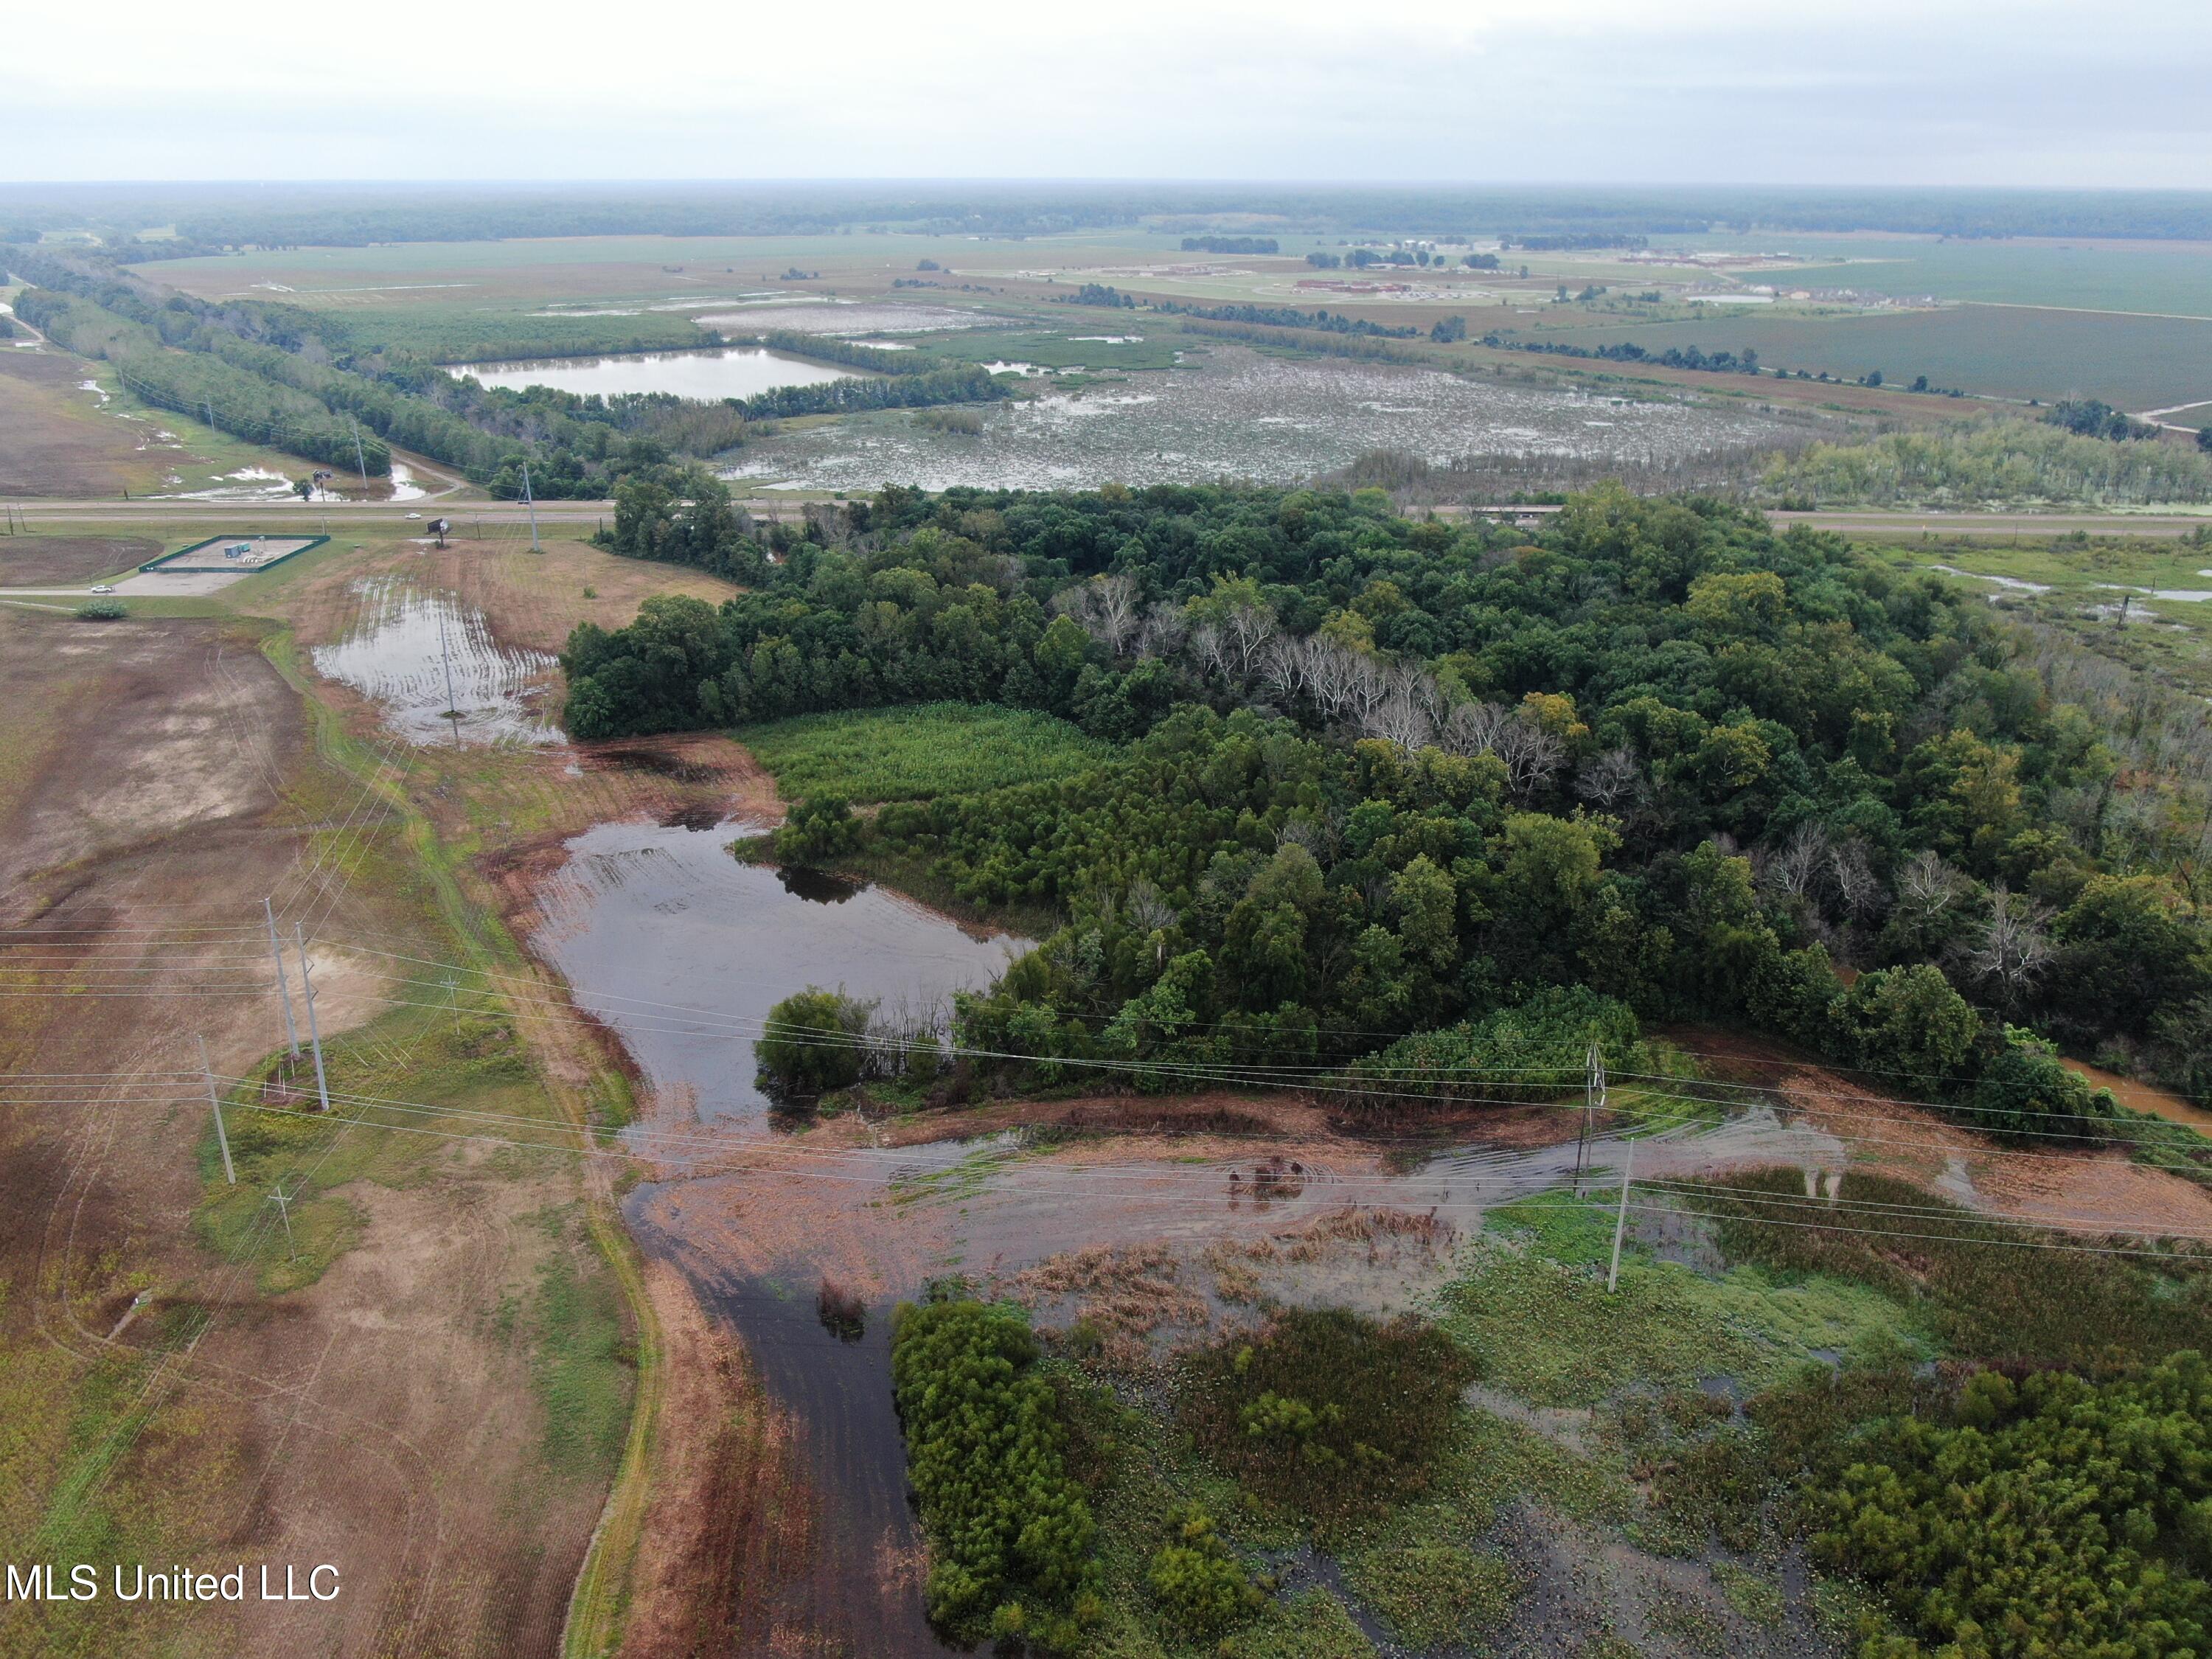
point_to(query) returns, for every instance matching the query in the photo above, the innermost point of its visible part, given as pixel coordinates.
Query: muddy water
(864, 1573)
(397, 652)
(683, 950)
(754, 1244)
(2144, 1097)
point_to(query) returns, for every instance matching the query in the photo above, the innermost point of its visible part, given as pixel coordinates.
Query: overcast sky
(1903, 92)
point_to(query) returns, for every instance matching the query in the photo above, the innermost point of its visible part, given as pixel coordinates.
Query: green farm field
(2005, 351)
(2173, 278)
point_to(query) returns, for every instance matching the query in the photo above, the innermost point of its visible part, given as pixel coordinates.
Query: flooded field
(680, 950)
(399, 649)
(683, 950)
(731, 372)
(1238, 414)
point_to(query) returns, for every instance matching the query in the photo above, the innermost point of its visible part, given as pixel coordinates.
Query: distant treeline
(2091, 417)
(968, 383)
(1232, 245)
(213, 216)
(1574, 241)
(230, 397)
(1359, 346)
(1097, 293)
(1284, 317)
(1627, 351)
(2001, 463)
(279, 375)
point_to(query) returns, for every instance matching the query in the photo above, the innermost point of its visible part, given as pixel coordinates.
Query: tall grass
(1324, 1410)
(914, 753)
(1988, 1290)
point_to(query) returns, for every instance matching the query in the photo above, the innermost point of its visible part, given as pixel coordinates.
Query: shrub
(1010, 1533)
(813, 1042)
(1326, 1410)
(2024, 1091)
(2060, 1517)
(1202, 1587)
(1911, 1022)
(819, 829)
(840, 1311)
(101, 610)
(1537, 1048)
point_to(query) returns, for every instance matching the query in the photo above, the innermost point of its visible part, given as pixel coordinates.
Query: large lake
(727, 372)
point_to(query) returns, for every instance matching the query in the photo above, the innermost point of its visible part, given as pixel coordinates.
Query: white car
(414, 515)
(100, 587)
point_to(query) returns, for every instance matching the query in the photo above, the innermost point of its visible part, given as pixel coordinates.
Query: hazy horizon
(2018, 92)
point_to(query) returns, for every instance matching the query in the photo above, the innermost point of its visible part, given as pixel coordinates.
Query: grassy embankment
(592, 1334)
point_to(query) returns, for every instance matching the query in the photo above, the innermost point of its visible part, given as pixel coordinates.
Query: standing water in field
(730, 372)
(397, 652)
(683, 950)
(1238, 414)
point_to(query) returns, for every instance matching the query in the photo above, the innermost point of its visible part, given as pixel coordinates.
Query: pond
(417, 653)
(1237, 414)
(682, 950)
(722, 372)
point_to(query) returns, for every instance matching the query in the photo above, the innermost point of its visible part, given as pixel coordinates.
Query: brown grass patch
(730, 1516)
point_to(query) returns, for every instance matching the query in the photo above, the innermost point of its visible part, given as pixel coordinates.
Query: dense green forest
(1379, 777)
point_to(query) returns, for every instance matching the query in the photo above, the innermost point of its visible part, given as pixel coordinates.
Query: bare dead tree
(1209, 651)
(1472, 728)
(1794, 866)
(1247, 629)
(1163, 630)
(1613, 777)
(1850, 875)
(2014, 948)
(1399, 720)
(1146, 907)
(1286, 672)
(1929, 890)
(1330, 668)
(1110, 607)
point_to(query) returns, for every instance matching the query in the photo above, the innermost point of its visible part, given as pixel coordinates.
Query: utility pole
(452, 709)
(277, 951)
(358, 460)
(1593, 1104)
(315, 1031)
(214, 1100)
(284, 1208)
(1621, 1221)
(530, 501)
